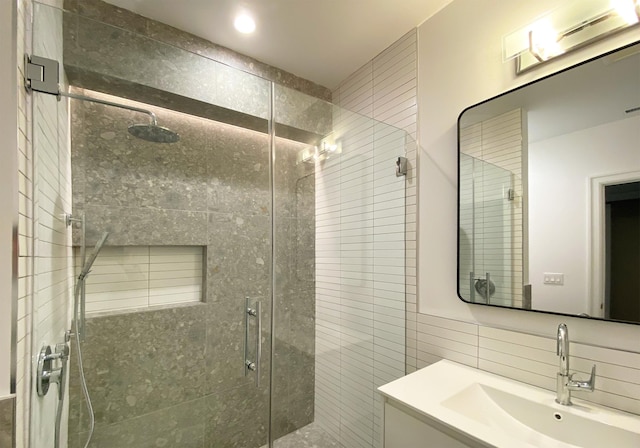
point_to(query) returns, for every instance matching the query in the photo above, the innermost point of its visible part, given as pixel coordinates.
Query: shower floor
(310, 436)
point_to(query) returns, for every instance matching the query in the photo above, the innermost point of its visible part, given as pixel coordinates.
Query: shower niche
(134, 278)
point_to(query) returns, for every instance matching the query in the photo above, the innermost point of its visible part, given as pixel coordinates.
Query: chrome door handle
(258, 342)
(248, 364)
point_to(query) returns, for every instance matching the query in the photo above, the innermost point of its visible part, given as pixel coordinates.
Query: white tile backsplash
(530, 358)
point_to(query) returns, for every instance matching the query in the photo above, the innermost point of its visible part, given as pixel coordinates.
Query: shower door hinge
(401, 166)
(41, 74)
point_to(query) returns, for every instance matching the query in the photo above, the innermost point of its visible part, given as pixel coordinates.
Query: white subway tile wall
(366, 247)
(531, 359)
(134, 277)
(51, 238)
(25, 236)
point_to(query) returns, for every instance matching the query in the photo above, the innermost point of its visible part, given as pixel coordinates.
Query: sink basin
(493, 411)
(540, 424)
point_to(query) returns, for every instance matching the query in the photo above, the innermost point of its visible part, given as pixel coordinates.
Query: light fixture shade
(566, 28)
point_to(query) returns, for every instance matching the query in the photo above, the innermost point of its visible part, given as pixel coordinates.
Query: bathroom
(448, 60)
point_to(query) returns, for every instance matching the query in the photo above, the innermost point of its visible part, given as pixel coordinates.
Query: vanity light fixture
(567, 28)
(244, 23)
(627, 9)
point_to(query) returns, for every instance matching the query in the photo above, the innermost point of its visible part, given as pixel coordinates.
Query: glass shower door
(189, 245)
(486, 224)
(339, 272)
(246, 227)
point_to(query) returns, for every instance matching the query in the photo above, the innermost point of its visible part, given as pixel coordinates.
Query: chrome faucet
(565, 382)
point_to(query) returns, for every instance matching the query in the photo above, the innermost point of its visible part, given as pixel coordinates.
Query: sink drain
(557, 416)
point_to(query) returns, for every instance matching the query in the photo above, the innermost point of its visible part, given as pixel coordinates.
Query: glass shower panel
(205, 236)
(189, 244)
(339, 285)
(486, 226)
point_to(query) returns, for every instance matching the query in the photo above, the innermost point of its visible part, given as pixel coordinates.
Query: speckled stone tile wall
(7, 406)
(105, 47)
(294, 354)
(122, 18)
(180, 369)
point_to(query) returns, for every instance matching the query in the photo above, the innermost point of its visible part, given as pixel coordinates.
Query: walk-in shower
(231, 244)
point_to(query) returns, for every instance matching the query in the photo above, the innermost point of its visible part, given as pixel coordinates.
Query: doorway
(622, 281)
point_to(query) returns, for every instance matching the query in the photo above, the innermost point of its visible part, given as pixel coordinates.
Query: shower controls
(401, 166)
(46, 374)
(485, 287)
(249, 365)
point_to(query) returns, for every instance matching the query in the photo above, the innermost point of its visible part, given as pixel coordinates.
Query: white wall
(559, 199)
(8, 190)
(460, 64)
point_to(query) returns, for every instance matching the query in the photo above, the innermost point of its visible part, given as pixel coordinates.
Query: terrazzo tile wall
(106, 13)
(201, 79)
(236, 205)
(7, 419)
(183, 365)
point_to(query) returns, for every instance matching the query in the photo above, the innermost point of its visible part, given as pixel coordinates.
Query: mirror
(549, 193)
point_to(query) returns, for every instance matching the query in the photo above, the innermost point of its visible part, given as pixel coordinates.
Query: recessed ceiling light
(245, 24)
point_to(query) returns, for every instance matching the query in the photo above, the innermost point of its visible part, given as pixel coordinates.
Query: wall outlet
(553, 278)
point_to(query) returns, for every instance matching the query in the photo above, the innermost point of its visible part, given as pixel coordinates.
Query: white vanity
(448, 405)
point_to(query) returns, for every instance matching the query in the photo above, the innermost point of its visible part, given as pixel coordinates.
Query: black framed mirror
(549, 193)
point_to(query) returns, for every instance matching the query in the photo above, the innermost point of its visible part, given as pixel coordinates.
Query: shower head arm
(154, 120)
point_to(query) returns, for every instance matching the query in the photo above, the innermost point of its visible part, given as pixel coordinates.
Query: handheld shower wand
(92, 257)
(79, 302)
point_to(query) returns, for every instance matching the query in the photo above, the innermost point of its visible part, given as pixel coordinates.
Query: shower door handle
(248, 364)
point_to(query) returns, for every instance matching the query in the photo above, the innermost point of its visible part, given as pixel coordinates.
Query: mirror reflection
(549, 193)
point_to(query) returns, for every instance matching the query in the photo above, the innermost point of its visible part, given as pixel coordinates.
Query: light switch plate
(553, 278)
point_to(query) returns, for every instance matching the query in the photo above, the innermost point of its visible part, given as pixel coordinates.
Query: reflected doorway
(622, 224)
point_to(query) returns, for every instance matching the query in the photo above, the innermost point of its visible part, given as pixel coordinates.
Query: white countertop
(432, 390)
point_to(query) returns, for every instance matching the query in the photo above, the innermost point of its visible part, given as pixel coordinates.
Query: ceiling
(321, 40)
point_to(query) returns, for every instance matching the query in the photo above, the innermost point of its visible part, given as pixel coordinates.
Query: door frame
(597, 237)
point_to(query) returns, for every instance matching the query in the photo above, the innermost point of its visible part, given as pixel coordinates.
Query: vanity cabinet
(405, 428)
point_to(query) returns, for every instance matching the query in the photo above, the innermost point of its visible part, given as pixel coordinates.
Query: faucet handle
(592, 378)
(589, 385)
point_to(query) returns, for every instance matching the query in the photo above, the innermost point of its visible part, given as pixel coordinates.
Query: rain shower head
(150, 132)
(153, 133)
